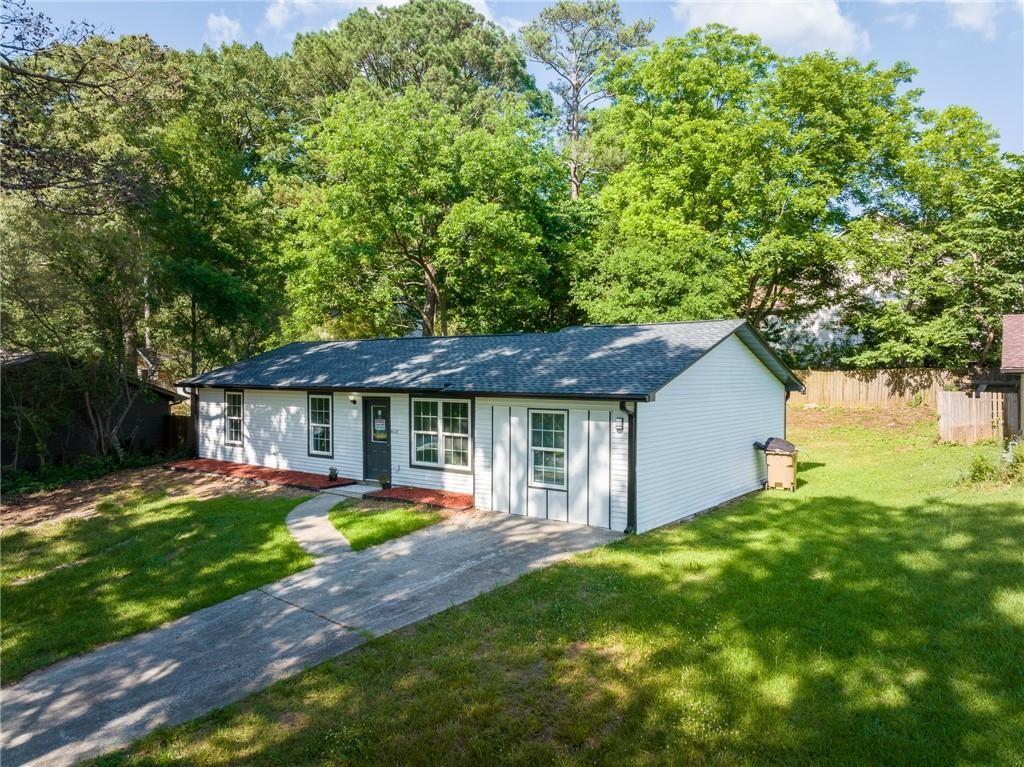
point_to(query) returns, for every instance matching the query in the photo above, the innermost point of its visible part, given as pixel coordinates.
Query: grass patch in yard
(370, 525)
(876, 616)
(141, 561)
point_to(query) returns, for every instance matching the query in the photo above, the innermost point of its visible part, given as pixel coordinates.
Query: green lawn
(366, 526)
(874, 617)
(72, 585)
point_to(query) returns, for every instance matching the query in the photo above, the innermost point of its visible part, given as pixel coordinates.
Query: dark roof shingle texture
(599, 361)
(1013, 343)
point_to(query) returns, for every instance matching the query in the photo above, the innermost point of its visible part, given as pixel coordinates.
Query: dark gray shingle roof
(603, 361)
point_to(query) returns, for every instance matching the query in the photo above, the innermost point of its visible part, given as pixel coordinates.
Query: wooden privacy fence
(873, 388)
(967, 419)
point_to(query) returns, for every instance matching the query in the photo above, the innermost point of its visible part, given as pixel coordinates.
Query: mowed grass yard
(874, 617)
(369, 523)
(141, 559)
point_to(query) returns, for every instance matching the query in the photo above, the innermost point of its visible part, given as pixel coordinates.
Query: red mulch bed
(300, 479)
(440, 498)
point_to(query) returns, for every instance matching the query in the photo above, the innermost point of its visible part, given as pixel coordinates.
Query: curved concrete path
(108, 698)
(309, 525)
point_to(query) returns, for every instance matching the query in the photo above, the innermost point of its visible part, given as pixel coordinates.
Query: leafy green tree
(737, 169)
(577, 41)
(934, 296)
(219, 286)
(442, 46)
(415, 216)
(64, 94)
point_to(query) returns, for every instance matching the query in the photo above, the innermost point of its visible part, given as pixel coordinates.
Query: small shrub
(332, 473)
(1013, 469)
(917, 400)
(982, 470)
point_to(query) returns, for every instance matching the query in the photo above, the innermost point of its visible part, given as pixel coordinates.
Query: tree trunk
(193, 396)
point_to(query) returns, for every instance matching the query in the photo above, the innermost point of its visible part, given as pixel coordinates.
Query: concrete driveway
(112, 696)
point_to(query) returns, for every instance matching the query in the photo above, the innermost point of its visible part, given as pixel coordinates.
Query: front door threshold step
(358, 490)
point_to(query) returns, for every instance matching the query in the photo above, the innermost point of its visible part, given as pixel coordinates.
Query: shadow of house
(44, 418)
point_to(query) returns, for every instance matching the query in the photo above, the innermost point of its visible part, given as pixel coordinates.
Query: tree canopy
(402, 172)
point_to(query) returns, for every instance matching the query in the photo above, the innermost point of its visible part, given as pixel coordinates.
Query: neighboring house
(1013, 354)
(43, 404)
(627, 426)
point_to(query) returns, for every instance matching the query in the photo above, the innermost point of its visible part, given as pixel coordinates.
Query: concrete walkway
(107, 699)
(310, 527)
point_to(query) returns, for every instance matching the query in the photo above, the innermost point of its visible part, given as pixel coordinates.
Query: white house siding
(274, 432)
(695, 441)
(402, 472)
(274, 428)
(596, 460)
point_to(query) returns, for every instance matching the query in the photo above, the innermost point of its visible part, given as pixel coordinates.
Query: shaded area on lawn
(365, 525)
(142, 560)
(876, 616)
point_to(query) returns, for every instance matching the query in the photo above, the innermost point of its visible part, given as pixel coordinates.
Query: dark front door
(376, 437)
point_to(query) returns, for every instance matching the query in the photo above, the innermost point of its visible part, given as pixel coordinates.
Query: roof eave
(609, 396)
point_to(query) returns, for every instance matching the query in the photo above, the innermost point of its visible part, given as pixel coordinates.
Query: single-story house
(1013, 355)
(625, 426)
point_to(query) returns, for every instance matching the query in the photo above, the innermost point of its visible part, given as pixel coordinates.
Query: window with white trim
(547, 448)
(441, 433)
(233, 417)
(320, 442)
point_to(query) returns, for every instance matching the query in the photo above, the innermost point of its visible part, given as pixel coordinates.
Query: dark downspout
(631, 474)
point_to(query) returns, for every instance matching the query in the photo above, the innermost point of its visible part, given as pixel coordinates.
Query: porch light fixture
(353, 398)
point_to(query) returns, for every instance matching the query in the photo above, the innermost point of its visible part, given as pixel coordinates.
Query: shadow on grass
(143, 560)
(825, 630)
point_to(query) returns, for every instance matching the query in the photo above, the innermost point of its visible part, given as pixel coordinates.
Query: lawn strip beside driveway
(107, 699)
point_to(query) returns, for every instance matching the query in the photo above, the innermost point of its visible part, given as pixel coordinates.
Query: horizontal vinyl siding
(274, 432)
(502, 466)
(405, 474)
(695, 441)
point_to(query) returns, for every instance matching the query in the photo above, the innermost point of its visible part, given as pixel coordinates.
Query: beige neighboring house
(1013, 353)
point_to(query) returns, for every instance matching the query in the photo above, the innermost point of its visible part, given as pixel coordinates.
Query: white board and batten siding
(695, 441)
(597, 471)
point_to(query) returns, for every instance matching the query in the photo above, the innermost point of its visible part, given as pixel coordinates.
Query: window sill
(436, 467)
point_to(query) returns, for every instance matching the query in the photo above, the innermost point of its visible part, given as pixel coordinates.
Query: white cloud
(221, 28)
(976, 15)
(513, 25)
(901, 19)
(300, 15)
(792, 25)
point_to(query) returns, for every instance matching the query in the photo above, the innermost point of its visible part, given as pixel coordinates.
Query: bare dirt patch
(866, 418)
(83, 498)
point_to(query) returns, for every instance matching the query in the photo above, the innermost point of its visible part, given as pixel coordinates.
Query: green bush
(982, 470)
(49, 477)
(1014, 469)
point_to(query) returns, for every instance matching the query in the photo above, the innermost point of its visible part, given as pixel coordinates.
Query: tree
(441, 46)
(934, 296)
(61, 89)
(738, 170)
(420, 217)
(577, 41)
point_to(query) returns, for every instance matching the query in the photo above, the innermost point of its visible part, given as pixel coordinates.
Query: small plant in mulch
(332, 474)
(385, 480)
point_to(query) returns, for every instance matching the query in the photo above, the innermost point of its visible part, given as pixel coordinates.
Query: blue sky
(966, 51)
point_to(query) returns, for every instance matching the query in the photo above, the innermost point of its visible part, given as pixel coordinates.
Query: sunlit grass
(143, 560)
(365, 527)
(873, 617)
